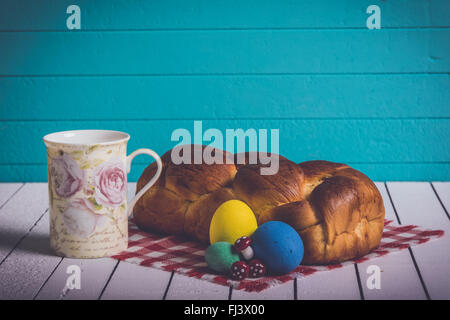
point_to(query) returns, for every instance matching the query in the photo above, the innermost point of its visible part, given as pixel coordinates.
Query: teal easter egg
(220, 256)
(279, 246)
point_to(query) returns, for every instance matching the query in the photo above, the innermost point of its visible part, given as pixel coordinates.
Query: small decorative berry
(256, 268)
(239, 270)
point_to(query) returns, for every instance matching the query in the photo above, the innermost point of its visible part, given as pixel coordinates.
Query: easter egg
(220, 256)
(278, 245)
(232, 220)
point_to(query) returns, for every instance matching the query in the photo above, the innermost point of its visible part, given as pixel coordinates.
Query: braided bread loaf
(337, 210)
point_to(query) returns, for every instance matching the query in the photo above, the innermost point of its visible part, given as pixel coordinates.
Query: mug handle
(152, 181)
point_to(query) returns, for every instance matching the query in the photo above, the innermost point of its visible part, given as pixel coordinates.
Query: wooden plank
(406, 170)
(132, 281)
(399, 279)
(186, 288)
(376, 171)
(94, 276)
(283, 291)
(19, 214)
(335, 140)
(179, 14)
(226, 52)
(7, 191)
(443, 192)
(416, 203)
(330, 285)
(206, 97)
(27, 268)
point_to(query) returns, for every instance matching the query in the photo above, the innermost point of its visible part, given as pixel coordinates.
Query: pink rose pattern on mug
(88, 196)
(66, 176)
(110, 181)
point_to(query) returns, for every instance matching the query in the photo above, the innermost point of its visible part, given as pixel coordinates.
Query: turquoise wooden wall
(378, 100)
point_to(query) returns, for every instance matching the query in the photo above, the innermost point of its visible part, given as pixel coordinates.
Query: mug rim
(59, 136)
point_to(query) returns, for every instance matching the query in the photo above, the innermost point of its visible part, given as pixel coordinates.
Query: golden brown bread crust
(340, 216)
(337, 210)
(185, 196)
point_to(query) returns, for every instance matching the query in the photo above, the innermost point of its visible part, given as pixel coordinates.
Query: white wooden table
(29, 270)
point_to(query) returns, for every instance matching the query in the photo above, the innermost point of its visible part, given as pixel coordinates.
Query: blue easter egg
(279, 246)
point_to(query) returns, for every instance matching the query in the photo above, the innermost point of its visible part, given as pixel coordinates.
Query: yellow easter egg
(232, 220)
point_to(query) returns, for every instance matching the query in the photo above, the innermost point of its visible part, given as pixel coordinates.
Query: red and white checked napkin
(185, 256)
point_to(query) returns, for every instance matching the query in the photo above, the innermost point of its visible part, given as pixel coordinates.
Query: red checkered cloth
(179, 254)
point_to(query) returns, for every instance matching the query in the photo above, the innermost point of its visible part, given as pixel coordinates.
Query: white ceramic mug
(87, 185)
